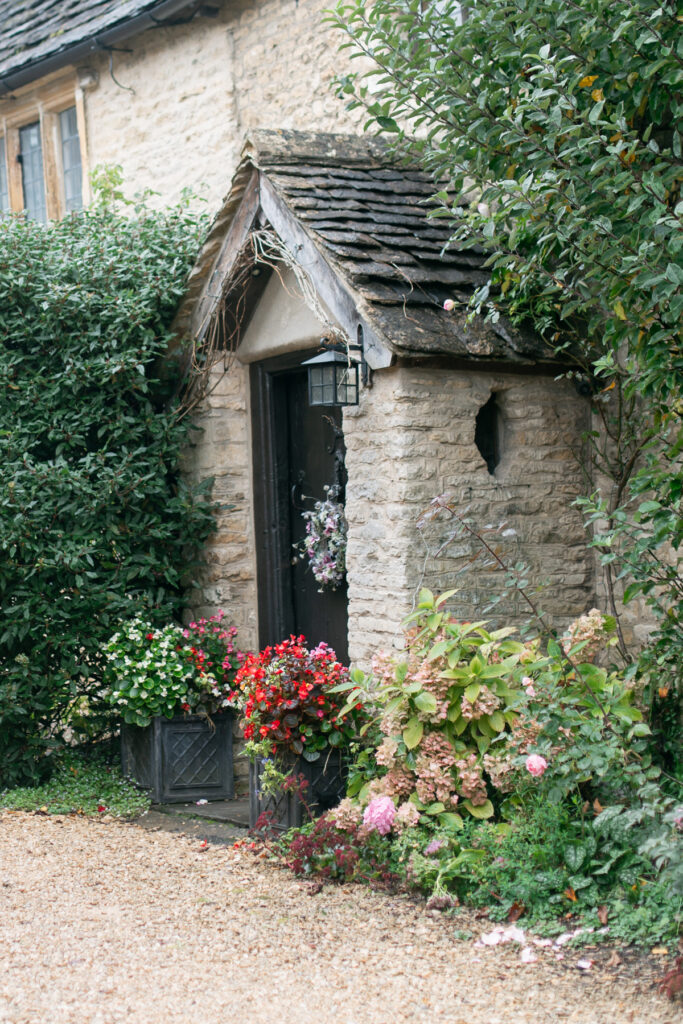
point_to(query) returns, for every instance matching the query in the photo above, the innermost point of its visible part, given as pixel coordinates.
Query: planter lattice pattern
(181, 759)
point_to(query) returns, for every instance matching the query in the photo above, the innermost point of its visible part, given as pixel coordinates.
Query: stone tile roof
(35, 31)
(368, 217)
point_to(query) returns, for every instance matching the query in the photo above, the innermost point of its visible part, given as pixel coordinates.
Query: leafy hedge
(96, 522)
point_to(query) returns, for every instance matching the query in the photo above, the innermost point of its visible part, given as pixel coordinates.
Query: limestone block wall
(198, 88)
(413, 438)
(222, 450)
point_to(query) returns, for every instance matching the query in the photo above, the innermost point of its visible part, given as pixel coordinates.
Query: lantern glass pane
(347, 385)
(316, 378)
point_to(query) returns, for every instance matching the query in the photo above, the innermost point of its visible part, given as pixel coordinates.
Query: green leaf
(354, 786)
(472, 692)
(574, 855)
(497, 721)
(481, 811)
(450, 820)
(412, 734)
(425, 702)
(435, 808)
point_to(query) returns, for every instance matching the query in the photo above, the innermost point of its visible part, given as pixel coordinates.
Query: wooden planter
(181, 759)
(326, 780)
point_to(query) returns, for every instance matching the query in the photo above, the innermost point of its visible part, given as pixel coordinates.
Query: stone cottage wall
(222, 450)
(412, 438)
(199, 87)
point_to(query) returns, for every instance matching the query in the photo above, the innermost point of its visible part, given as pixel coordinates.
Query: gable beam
(331, 292)
(223, 265)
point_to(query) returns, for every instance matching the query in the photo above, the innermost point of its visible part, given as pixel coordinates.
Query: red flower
(149, 636)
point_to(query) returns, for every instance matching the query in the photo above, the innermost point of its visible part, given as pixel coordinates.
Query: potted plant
(172, 688)
(294, 732)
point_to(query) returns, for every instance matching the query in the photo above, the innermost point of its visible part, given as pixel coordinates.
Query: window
(42, 159)
(31, 153)
(71, 160)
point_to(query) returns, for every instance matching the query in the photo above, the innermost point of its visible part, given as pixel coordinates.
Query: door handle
(296, 494)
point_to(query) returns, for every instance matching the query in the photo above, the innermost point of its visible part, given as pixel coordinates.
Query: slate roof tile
(31, 31)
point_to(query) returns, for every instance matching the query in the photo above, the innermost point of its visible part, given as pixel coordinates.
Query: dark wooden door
(298, 450)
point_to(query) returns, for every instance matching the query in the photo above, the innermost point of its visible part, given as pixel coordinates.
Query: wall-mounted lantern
(333, 376)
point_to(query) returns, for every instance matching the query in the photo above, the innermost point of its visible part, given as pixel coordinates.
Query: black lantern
(332, 379)
(333, 375)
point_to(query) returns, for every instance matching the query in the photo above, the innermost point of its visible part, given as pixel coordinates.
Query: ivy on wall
(96, 522)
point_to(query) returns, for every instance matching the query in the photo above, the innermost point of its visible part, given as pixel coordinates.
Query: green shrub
(445, 711)
(549, 865)
(96, 523)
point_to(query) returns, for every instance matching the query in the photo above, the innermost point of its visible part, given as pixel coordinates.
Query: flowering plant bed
(286, 694)
(294, 731)
(172, 687)
(170, 670)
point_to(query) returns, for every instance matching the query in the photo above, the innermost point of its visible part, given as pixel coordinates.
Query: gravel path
(105, 923)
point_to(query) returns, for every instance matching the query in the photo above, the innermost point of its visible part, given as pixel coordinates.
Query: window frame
(43, 102)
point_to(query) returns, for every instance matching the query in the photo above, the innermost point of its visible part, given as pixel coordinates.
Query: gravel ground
(105, 922)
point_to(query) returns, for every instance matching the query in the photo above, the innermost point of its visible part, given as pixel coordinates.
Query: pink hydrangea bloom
(407, 816)
(380, 814)
(536, 765)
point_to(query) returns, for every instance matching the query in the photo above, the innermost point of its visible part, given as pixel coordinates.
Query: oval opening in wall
(488, 433)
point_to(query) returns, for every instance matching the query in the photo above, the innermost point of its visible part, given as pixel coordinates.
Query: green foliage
(585, 826)
(324, 849)
(552, 130)
(96, 523)
(548, 863)
(566, 117)
(83, 783)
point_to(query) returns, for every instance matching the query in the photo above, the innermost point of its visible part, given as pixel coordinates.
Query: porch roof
(357, 222)
(40, 36)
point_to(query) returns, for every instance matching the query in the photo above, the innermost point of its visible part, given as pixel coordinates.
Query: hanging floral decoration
(325, 542)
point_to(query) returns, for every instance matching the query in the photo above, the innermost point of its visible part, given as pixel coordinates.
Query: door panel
(298, 449)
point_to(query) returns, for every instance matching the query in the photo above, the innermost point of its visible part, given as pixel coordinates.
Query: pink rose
(448, 305)
(536, 765)
(380, 814)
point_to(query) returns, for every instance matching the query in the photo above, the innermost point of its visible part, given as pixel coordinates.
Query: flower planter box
(180, 759)
(326, 780)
